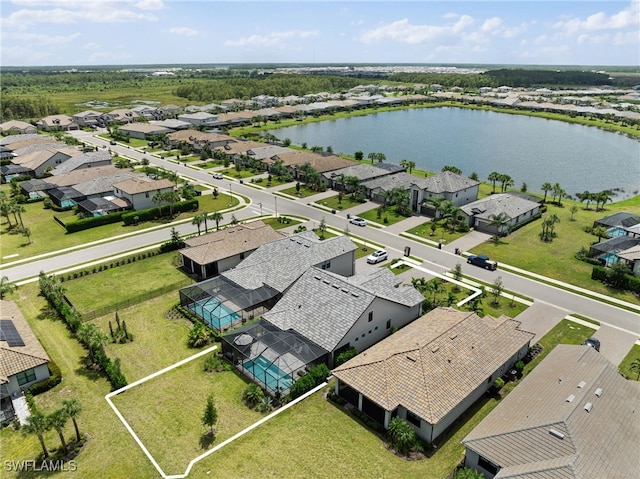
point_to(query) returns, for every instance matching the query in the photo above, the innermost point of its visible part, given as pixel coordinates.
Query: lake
(529, 149)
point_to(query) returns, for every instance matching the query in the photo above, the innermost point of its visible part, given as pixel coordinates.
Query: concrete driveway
(614, 343)
(539, 318)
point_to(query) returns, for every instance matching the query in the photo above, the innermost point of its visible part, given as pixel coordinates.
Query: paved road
(438, 260)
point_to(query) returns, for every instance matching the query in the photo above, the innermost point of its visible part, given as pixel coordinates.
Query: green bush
(92, 222)
(252, 395)
(52, 381)
(345, 355)
(402, 436)
(317, 375)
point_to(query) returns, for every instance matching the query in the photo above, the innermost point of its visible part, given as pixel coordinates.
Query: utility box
(407, 250)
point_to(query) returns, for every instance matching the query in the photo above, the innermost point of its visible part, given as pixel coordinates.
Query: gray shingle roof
(364, 172)
(321, 306)
(385, 284)
(279, 263)
(104, 184)
(448, 182)
(512, 205)
(396, 180)
(596, 444)
(432, 364)
(622, 219)
(75, 162)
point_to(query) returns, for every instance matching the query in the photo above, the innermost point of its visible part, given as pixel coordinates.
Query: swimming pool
(214, 312)
(270, 374)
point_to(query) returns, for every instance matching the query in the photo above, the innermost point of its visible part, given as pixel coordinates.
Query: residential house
(482, 214)
(432, 370)
(201, 118)
(573, 416)
(337, 312)
(139, 192)
(16, 127)
(260, 280)
(619, 224)
(142, 130)
(198, 139)
(146, 111)
(294, 159)
(234, 118)
(40, 162)
(121, 116)
(37, 187)
(609, 251)
(214, 252)
(361, 171)
(88, 118)
(6, 153)
(23, 360)
(57, 123)
(92, 159)
(172, 123)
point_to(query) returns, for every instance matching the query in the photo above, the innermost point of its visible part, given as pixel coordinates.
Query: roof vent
(411, 358)
(570, 398)
(581, 384)
(599, 392)
(453, 336)
(436, 349)
(336, 285)
(588, 406)
(344, 290)
(556, 433)
(355, 295)
(317, 277)
(326, 281)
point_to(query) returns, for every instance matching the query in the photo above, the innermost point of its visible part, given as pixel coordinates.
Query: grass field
(304, 192)
(441, 233)
(333, 202)
(47, 235)
(387, 217)
(524, 249)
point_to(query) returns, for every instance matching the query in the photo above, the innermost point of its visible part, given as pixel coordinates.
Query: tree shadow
(207, 439)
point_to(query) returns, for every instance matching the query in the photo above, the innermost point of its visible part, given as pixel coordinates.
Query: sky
(139, 32)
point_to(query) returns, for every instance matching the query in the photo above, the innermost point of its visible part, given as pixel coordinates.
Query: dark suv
(482, 261)
(593, 342)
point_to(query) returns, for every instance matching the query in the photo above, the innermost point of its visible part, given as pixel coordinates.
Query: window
(26, 376)
(370, 316)
(146, 195)
(388, 324)
(241, 255)
(363, 335)
(413, 419)
(376, 328)
(326, 265)
(487, 465)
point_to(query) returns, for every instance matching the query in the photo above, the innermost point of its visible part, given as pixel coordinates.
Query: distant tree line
(27, 107)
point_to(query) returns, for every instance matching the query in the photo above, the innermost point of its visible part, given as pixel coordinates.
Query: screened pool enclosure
(224, 305)
(272, 358)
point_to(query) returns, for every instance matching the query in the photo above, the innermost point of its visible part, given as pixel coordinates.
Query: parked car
(482, 261)
(593, 342)
(377, 257)
(217, 176)
(112, 142)
(358, 221)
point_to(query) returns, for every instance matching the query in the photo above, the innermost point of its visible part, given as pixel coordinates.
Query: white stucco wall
(42, 372)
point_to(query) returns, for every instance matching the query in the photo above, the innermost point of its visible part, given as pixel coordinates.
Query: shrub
(317, 375)
(52, 381)
(252, 395)
(215, 363)
(401, 435)
(519, 366)
(345, 355)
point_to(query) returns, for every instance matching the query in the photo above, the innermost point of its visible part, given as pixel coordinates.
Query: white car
(377, 257)
(358, 221)
(217, 176)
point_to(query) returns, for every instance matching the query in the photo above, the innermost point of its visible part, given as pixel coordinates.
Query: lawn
(304, 192)
(387, 217)
(524, 249)
(625, 365)
(242, 174)
(112, 286)
(441, 233)
(334, 203)
(47, 235)
(171, 429)
(277, 223)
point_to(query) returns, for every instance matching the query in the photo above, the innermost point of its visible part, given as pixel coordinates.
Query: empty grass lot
(111, 286)
(388, 217)
(333, 202)
(441, 233)
(304, 192)
(524, 249)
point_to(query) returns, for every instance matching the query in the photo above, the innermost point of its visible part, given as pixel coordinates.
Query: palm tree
(354, 184)
(546, 187)
(217, 217)
(6, 287)
(493, 177)
(38, 424)
(411, 165)
(73, 408)
(506, 181)
(434, 286)
(556, 190)
(437, 203)
(635, 366)
(452, 169)
(585, 196)
(498, 221)
(4, 207)
(600, 232)
(404, 164)
(158, 198)
(603, 197)
(58, 420)
(197, 220)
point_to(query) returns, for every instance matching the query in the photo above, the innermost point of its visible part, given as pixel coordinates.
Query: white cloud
(269, 40)
(70, 11)
(150, 5)
(187, 32)
(404, 32)
(627, 18)
(23, 56)
(92, 46)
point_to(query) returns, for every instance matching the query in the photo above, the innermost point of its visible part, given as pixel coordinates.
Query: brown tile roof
(189, 135)
(134, 186)
(435, 362)
(320, 163)
(35, 159)
(84, 174)
(233, 148)
(15, 359)
(227, 242)
(600, 443)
